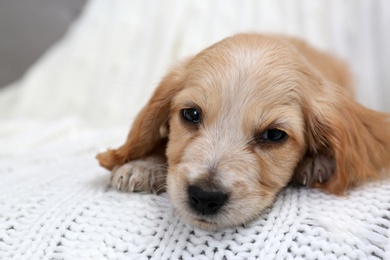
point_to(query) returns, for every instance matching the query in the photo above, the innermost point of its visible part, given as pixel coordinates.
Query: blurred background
(101, 59)
(28, 28)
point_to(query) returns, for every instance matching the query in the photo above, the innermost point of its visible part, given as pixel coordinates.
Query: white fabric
(82, 95)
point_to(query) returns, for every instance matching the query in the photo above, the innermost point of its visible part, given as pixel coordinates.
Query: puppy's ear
(347, 143)
(148, 131)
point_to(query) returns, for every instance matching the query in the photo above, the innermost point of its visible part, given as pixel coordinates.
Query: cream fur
(243, 86)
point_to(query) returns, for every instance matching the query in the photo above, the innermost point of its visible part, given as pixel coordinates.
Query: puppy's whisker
(161, 189)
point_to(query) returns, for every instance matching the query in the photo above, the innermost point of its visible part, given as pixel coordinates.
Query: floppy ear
(147, 132)
(345, 139)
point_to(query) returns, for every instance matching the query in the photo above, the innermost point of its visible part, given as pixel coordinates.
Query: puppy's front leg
(147, 174)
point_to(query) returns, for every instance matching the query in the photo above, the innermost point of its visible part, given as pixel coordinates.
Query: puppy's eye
(272, 135)
(191, 115)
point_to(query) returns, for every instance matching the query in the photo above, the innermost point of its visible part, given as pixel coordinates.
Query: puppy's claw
(131, 187)
(317, 169)
(132, 184)
(304, 182)
(119, 183)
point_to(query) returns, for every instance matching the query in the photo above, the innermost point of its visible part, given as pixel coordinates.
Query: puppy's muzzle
(206, 202)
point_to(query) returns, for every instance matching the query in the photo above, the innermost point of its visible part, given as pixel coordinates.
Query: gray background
(28, 28)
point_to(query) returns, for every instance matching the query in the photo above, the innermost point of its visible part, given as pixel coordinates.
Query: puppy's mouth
(203, 222)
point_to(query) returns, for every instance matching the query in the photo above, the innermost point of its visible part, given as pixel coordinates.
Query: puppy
(227, 129)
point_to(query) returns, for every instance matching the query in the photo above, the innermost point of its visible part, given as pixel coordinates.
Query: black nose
(206, 202)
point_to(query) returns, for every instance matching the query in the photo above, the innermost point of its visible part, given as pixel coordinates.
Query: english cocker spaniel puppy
(227, 129)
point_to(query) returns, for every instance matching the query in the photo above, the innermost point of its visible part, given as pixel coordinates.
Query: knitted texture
(55, 204)
(81, 97)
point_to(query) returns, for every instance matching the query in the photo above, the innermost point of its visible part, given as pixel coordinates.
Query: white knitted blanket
(54, 204)
(80, 99)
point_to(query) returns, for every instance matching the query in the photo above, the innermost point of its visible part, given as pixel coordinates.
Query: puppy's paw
(314, 169)
(139, 175)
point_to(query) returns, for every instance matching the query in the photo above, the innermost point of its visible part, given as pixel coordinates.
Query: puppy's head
(241, 115)
(237, 130)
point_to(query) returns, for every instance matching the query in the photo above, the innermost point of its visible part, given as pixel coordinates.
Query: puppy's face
(236, 132)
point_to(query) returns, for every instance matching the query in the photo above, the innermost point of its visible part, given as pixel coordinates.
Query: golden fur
(244, 86)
